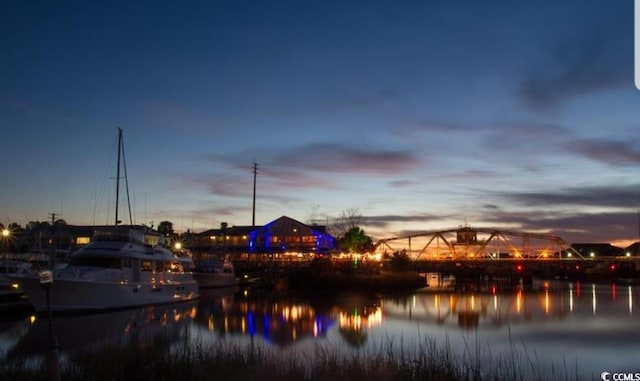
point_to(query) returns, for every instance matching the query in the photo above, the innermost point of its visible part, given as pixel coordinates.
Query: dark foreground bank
(195, 362)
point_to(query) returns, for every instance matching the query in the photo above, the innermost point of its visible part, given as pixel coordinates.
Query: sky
(417, 115)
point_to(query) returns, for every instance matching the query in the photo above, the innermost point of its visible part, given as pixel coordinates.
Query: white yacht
(123, 266)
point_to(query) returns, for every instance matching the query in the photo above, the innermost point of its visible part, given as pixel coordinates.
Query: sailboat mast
(118, 173)
(126, 182)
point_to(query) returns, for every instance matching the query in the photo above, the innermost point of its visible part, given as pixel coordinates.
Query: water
(589, 328)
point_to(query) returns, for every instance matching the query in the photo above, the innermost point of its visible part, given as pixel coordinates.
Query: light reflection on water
(591, 327)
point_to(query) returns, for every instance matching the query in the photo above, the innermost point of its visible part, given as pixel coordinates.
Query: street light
(46, 281)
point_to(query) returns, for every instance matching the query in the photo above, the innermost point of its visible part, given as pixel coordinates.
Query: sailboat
(123, 266)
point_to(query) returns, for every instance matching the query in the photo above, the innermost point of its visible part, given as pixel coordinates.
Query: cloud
(295, 179)
(339, 158)
(608, 152)
(573, 227)
(322, 157)
(403, 183)
(623, 196)
(589, 64)
(524, 135)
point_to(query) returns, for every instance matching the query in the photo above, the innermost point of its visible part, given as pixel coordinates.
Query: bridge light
(628, 254)
(592, 254)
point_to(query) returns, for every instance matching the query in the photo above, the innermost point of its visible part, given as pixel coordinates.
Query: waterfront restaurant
(283, 239)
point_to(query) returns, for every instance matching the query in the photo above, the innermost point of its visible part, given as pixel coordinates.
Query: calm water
(591, 327)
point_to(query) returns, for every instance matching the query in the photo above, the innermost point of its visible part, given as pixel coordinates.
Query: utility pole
(53, 248)
(255, 173)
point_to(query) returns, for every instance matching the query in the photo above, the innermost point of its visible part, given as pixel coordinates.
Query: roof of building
(246, 230)
(597, 248)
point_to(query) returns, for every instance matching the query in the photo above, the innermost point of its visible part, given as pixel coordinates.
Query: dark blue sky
(421, 115)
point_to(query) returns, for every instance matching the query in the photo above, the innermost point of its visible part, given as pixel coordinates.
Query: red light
(613, 267)
(519, 267)
(577, 267)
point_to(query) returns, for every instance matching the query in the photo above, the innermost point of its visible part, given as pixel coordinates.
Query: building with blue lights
(280, 238)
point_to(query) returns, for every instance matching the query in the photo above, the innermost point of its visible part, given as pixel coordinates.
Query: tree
(312, 218)
(400, 261)
(355, 240)
(349, 219)
(166, 228)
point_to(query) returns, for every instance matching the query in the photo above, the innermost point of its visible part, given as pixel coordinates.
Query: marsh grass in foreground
(387, 361)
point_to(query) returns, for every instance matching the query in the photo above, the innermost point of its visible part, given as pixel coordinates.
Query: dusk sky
(421, 115)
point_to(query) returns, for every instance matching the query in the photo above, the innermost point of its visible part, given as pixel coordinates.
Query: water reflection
(545, 301)
(29, 337)
(550, 317)
(282, 321)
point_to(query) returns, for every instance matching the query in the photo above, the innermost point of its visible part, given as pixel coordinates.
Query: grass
(389, 360)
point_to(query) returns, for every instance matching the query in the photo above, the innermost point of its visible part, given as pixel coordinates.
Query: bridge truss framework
(480, 244)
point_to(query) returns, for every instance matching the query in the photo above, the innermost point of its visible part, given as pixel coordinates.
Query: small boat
(123, 266)
(12, 297)
(215, 274)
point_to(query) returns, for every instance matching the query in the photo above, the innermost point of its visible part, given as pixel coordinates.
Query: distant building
(283, 237)
(590, 250)
(633, 249)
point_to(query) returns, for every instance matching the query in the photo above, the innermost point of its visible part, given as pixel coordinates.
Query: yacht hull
(70, 295)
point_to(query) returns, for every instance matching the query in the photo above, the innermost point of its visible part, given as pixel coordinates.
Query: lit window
(82, 240)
